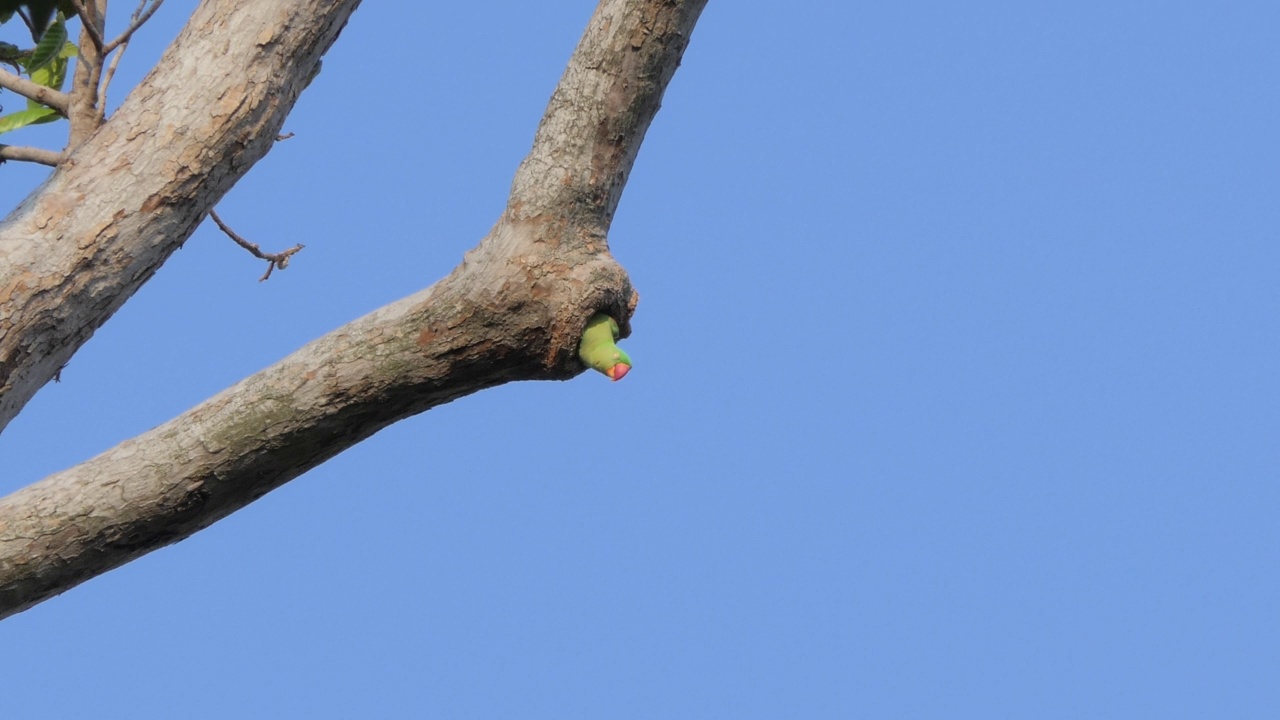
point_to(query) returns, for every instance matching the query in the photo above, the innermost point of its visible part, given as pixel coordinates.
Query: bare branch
(106, 82)
(601, 110)
(514, 309)
(232, 111)
(274, 260)
(87, 21)
(139, 18)
(83, 109)
(32, 91)
(30, 154)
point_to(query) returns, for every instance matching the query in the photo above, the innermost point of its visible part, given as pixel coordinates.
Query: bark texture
(513, 310)
(130, 194)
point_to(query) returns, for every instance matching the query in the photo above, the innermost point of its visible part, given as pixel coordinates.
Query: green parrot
(598, 350)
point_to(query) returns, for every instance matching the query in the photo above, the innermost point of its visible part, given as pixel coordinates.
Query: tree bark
(513, 310)
(129, 195)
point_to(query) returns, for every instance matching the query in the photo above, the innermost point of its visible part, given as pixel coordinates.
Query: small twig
(274, 260)
(121, 43)
(90, 26)
(140, 17)
(282, 138)
(30, 154)
(106, 81)
(45, 96)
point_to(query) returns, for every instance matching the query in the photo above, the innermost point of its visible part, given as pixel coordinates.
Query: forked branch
(514, 309)
(139, 18)
(92, 26)
(275, 261)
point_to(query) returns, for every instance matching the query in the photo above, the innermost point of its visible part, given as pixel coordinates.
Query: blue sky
(955, 387)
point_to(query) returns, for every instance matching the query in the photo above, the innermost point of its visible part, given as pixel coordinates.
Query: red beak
(619, 371)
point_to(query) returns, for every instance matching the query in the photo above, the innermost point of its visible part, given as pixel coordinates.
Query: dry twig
(138, 19)
(106, 81)
(274, 260)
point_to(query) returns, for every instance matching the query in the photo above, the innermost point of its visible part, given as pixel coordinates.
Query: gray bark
(75, 250)
(513, 310)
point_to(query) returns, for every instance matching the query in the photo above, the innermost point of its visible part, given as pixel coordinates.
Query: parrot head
(598, 349)
(620, 368)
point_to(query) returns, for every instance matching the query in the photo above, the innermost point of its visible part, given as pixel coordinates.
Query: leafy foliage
(50, 44)
(30, 116)
(37, 14)
(46, 64)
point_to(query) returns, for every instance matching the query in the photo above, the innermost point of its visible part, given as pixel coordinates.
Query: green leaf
(49, 48)
(51, 76)
(54, 74)
(30, 116)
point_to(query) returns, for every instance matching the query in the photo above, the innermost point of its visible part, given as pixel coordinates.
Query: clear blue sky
(955, 391)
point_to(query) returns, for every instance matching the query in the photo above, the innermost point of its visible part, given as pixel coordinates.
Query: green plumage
(599, 350)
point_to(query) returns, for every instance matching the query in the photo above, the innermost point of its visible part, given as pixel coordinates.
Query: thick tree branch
(59, 101)
(514, 309)
(87, 239)
(599, 113)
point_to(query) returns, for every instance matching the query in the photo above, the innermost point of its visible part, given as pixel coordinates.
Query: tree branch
(104, 236)
(139, 18)
(100, 111)
(83, 110)
(30, 154)
(588, 138)
(89, 24)
(514, 309)
(59, 101)
(275, 261)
